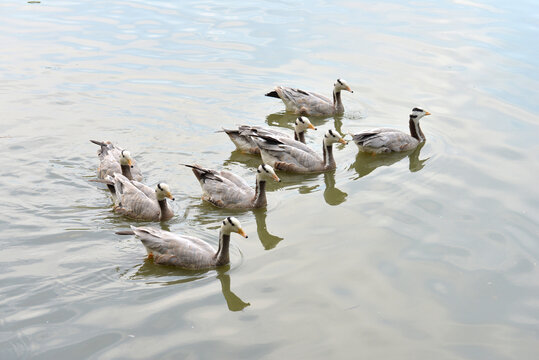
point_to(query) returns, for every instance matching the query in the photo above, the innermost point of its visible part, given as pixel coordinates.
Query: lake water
(428, 255)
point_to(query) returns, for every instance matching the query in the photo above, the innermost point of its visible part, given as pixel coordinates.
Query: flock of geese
(224, 189)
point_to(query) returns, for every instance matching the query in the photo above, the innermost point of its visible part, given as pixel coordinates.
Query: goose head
(231, 224)
(302, 123)
(331, 137)
(417, 114)
(340, 84)
(126, 159)
(266, 172)
(162, 191)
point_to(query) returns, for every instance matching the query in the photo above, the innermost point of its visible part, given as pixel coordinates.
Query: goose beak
(311, 126)
(348, 88)
(427, 113)
(276, 178)
(242, 233)
(129, 162)
(342, 141)
(169, 195)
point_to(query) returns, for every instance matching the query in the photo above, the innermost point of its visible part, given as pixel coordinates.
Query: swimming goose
(242, 136)
(298, 157)
(138, 201)
(309, 103)
(384, 140)
(115, 160)
(227, 190)
(184, 251)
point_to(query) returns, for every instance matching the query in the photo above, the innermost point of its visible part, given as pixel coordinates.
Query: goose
(116, 160)
(187, 252)
(227, 190)
(241, 137)
(310, 103)
(298, 157)
(384, 140)
(138, 201)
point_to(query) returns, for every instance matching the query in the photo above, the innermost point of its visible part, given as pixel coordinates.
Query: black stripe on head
(331, 132)
(224, 222)
(258, 170)
(123, 153)
(413, 116)
(159, 187)
(229, 220)
(417, 109)
(265, 168)
(339, 81)
(301, 120)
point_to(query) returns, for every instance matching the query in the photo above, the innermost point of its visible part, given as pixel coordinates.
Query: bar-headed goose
(187, 252)
(241, 137)
(227, 190)
(298, 157)
(310, 103)
(138, 201)
(383, 140)
(116, 160)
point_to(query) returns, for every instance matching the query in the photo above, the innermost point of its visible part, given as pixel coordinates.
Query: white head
(125, 158)
(302, 124)
(231, 224)
(417, 114)
(340, 84)
(266, 172)
(162, 191)
(331, 137)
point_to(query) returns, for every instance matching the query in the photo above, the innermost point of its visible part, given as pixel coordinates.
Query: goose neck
(415, 131)
(126, 171)
(166, 212)
(222, 255)
(260, 199)
(337, 102)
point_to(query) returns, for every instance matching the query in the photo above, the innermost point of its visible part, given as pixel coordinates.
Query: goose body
(138, 201)
(241, 137)
(116, 160)
(297, 157)
(187, 252)
(384, 140)
(310, 103)
(227, 190)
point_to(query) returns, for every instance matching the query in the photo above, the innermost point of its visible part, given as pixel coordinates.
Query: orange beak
(242, 233)
(427, 113)
(129, 162)
(311, 126)
(276, 178)
(169, 195)
(342, 141)
(348, 88)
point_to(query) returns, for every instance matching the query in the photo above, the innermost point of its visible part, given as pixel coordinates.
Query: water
(428, 255)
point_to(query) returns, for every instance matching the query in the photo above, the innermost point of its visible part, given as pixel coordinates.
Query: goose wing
(241, 137)
(306, 102)
(384, 140)
(132, 202)
(293, 156)
(109, 156)
(172, 249)
(223, 189)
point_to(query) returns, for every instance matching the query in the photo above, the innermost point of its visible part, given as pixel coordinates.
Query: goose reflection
(367, 163)
(180, 276)
(268, 240)
(333, 195)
